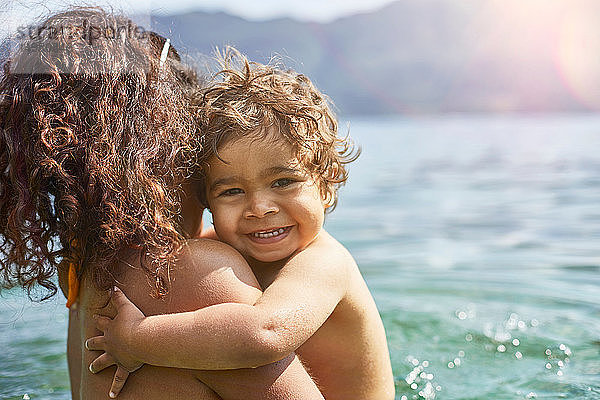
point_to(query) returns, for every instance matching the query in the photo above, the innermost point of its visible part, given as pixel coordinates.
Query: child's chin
(270, 258)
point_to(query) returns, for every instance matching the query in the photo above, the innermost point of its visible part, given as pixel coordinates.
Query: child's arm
(207, 273)
(228, 336)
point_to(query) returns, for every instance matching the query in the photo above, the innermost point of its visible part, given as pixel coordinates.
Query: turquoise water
(479, 237)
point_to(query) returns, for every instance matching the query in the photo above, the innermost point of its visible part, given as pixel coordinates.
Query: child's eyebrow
(282, 170)
(224, 182)
(229, 180)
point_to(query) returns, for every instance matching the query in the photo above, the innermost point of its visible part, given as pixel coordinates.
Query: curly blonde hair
(248, 97)
(96, 135)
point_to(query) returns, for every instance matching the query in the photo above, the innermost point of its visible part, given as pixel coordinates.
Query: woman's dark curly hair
(248, 97)
(96, 135)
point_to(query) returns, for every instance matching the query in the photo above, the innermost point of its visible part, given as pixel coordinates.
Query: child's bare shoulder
(326, 256)
(327, 245)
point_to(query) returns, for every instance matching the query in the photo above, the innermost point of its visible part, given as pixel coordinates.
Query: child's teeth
(265, 235)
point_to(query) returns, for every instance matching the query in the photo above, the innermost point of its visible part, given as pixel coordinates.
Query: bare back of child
(272, 163)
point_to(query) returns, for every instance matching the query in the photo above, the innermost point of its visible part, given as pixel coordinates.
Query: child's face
(264, 203)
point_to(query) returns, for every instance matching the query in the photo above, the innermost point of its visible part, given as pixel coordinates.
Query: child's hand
(118, 333)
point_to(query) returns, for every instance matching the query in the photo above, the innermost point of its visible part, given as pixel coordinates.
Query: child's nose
(260, 207)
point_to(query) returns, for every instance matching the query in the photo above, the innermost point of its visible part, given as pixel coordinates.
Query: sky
(306, 10)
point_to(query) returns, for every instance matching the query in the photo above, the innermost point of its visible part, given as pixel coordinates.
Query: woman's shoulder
(206, 272)
(206, 258)
(207, 255)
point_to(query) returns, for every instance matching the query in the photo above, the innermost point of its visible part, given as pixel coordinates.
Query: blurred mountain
(426, 55)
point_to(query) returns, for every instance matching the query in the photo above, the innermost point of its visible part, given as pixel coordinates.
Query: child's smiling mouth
(270, 235)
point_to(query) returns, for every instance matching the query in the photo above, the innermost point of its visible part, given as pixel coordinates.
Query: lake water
(479, 237)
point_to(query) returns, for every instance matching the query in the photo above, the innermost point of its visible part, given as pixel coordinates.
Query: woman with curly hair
(97, 142)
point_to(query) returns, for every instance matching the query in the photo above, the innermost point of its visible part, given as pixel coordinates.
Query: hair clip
(165, 52)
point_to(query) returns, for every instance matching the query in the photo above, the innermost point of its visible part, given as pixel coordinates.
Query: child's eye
(231, 192)
(283, 182)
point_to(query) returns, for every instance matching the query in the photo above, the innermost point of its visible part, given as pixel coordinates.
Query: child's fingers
(95, 343)
(105, 360)
(102, 322)
(118, 382)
